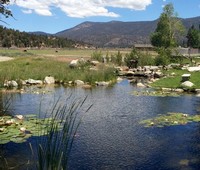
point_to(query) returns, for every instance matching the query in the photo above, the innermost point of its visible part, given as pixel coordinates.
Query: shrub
(97, 55)
(131, 59)
(136, 58)
(163, 57)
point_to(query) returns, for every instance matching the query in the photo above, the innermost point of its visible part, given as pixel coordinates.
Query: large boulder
(79, 82)
(73, 63)
(102, 83)
(94, 62)
(34, 82)
(49, 80)
(11, 83)
(187, 84)
(140, 85)
(158, 74)
(193, 69)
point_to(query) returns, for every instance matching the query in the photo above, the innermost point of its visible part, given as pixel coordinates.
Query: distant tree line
(13, 38)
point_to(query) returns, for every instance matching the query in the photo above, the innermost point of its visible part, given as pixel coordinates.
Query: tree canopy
(4, 11)
(193, 37)
(168, 29)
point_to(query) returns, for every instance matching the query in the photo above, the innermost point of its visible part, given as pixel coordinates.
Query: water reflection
(110, 136)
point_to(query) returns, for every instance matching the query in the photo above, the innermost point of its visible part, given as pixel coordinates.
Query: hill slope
(116, 33)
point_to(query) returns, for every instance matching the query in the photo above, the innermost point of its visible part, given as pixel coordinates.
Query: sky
(52, 16)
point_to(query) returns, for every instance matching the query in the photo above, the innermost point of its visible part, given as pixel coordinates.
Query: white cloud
(80, 8)
(28, 11)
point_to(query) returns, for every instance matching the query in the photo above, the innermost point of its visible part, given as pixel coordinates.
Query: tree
(169, 28)
(4, 10)
(167, 33)
(193, 37)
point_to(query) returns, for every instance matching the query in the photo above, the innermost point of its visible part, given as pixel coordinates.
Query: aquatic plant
(158, 93)
(53, 150)
(170, 119)
(13, 129)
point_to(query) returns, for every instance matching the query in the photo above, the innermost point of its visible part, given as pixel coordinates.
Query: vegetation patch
(157, 93)
(19, 130)
(38, 68)
(170, 119)
(175, 81)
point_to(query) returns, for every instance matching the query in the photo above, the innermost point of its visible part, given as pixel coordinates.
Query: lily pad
(155, 93)
(170, 119)
(32, 126)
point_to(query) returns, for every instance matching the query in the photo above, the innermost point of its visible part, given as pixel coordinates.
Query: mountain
(117, 33)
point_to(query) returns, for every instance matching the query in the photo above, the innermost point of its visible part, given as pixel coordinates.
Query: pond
(111, 136)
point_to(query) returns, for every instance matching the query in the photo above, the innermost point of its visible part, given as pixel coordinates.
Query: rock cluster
(146, 71)
(13, 83)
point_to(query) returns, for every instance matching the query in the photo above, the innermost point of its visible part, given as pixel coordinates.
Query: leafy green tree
(166, 35)
(193, 37)
(169, 28)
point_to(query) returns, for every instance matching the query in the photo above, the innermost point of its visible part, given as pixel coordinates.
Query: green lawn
(175, 81)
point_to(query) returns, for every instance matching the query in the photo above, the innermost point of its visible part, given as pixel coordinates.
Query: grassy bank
(39, 67)
(175, 81)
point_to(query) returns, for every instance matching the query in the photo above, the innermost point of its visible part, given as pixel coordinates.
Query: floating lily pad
(170, 119)
(31, 126)
(155, 93)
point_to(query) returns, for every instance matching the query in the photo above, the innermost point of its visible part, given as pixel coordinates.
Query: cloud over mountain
(80, 9)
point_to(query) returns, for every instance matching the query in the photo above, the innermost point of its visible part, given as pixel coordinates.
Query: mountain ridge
(117, 33)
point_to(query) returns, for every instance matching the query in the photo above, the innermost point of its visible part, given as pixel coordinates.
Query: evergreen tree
(193, 37)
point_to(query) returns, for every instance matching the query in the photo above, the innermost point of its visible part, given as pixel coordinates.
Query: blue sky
(52, 16)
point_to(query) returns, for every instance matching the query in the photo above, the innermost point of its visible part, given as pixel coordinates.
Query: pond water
(110, 136)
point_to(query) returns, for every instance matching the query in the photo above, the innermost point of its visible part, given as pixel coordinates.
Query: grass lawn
(175, 81)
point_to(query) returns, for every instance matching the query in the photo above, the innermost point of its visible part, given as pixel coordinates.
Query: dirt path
(2, 58)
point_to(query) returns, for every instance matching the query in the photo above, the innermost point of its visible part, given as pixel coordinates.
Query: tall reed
(53, 149)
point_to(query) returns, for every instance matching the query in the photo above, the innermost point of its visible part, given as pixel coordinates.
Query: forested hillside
(13, 38)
